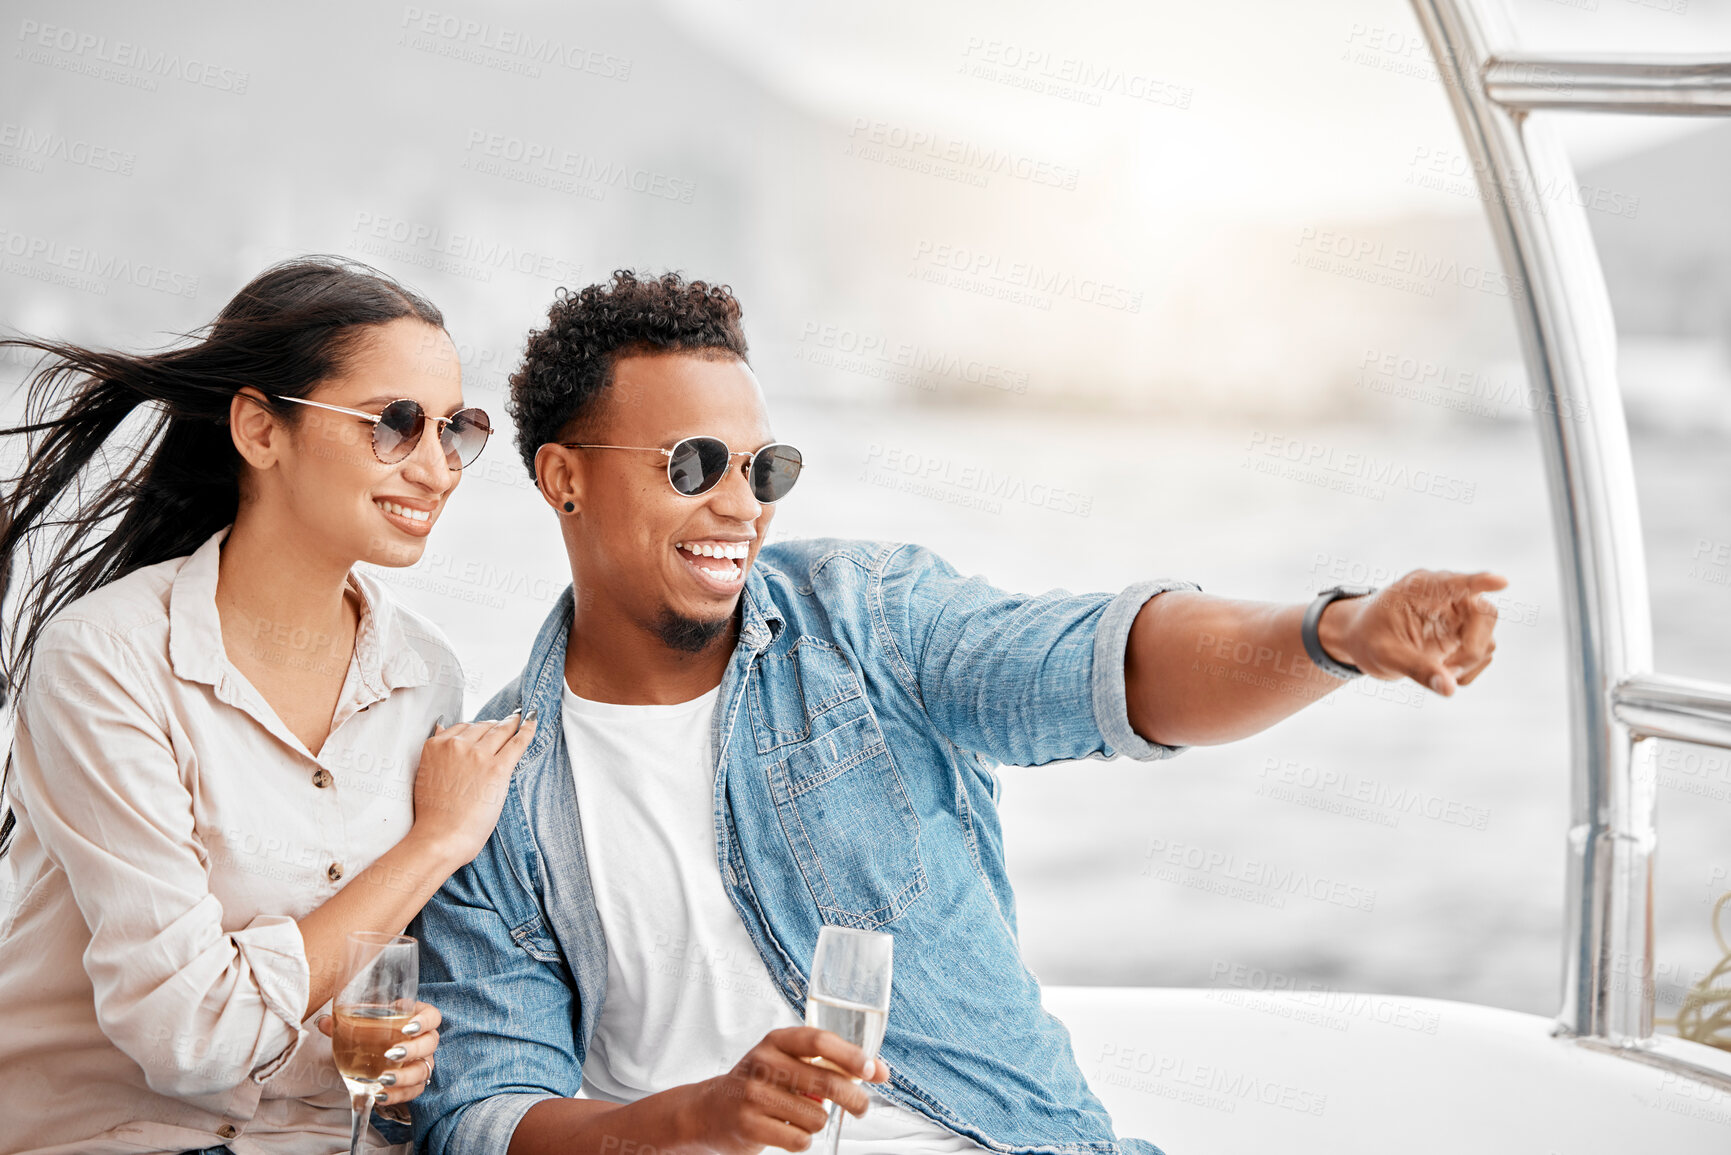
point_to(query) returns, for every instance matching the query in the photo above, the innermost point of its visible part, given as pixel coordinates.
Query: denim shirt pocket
(519, 902)
(532, 935)
(841, 801)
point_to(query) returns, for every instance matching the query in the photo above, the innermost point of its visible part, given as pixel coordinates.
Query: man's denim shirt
(871, 692)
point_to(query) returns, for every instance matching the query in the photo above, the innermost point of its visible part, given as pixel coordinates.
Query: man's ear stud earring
(570, 507)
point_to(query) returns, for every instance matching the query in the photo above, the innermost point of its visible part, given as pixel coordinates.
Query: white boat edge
(1224, 1071)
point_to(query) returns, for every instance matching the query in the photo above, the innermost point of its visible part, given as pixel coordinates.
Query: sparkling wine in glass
(850, 995)
(375, 1003)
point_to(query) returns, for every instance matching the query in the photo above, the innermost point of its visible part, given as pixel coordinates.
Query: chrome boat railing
(1568, 338)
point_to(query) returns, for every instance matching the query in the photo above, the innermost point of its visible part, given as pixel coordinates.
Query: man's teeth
(733, 549)
(728, 551)
(405, 511)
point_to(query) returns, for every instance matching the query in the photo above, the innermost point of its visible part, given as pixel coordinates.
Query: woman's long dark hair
(290, 328)
(285, 332)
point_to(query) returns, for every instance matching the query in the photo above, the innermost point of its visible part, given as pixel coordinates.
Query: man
(756, 741)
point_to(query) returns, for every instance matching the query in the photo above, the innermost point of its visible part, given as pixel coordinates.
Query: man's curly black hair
(568, 366)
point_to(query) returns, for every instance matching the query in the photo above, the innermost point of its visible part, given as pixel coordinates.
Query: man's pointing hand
(1431, 626)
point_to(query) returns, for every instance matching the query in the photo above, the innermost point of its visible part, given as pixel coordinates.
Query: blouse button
(228, 1131)
(335, 871)
(321, 778)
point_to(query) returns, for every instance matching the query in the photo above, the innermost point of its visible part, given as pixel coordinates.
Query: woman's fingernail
(387, 1080)
(379, 1096)
(871, 1068)
(396, 1053)
(1437, 684)
(530, 717)
(437, 722)
(414, 1027)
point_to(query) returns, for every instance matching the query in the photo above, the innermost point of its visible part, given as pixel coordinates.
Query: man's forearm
(1201, 670)
(592, 1127)
(773, 1097)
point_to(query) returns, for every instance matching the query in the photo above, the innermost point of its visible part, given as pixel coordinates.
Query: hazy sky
(1198, 155)
(1348, 63)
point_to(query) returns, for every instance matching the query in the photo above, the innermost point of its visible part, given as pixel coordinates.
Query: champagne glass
(375, 1003)
(850, 995)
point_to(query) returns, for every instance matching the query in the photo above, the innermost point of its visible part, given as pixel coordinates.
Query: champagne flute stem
(362, 1101)
(832, 1129)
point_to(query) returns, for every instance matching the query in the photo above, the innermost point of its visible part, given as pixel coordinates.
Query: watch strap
(1313, 643)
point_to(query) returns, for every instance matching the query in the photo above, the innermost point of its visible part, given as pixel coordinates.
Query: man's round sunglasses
(398, 427)
(696, 465)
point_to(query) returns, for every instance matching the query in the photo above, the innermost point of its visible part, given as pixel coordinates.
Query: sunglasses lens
(697, 464)
(397, 431)
(773, 472)
(464, 436)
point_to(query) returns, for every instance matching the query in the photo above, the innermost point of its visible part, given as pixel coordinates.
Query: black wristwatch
(1313, 644)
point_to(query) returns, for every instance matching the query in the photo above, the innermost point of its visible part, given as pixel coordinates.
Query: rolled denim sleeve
(1024, 679)
(1110, 697)
(507, 1040)
(200, 1009)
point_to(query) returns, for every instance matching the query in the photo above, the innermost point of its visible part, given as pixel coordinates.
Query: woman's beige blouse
(171, 830)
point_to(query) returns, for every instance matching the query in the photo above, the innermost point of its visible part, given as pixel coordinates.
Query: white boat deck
(1234, 1072)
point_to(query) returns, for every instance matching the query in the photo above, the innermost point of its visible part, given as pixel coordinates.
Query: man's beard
(689, 635)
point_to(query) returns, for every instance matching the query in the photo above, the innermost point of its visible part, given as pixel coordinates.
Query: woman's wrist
(436, 852)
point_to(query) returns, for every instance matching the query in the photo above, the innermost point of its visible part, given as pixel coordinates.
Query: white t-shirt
(687, 993)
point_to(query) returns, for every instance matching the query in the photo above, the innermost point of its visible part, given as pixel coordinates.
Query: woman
(218, 770)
